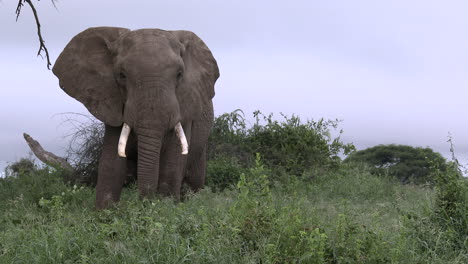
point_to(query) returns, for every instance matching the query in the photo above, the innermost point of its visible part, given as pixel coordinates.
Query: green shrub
(24, 166)
(252, 206)
(42, 183)
(223, 172)
(355, 243)
(290, 145)
(406, 163)
(296, 146)
(441, 233)
(228, 136)
(451, 205)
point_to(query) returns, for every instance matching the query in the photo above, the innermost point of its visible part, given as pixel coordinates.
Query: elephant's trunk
(155, 111)
(149, 149)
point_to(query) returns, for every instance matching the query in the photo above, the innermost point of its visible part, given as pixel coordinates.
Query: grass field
(345, 215)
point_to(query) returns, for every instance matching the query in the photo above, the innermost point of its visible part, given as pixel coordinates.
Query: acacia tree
(407, 163)
(42, 47)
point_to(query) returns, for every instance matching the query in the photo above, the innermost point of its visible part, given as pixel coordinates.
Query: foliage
(251, 210)
(347, 215)
(442, 231)
(289, 147)
(342, 215)
(223, 172)
(227, 138)
(406, 163)
(20, 167)
(451, 204)
(296, 146)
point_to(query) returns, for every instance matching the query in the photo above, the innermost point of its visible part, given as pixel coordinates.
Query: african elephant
(153, 90)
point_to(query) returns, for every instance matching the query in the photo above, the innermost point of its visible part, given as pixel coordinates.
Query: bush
(288, 234)
(255, 216)
(296, 146)
(223, 172)
(355, 243)
(227, 138)
(84, 149)
(24, 166)
(408, 164)
(441, 233)
(451, 206)
(290, 145)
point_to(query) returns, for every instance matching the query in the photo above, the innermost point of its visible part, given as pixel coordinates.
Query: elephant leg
(196, 164)
(172, 165)
(196, 171)
(112, 170)
(132, 157)
(131, 172)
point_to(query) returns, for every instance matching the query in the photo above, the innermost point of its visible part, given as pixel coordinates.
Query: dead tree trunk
(47, 157)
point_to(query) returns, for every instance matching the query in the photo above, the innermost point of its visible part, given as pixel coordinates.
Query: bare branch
(42, 46)
(18, 9)
(47, 157)
(53, 2)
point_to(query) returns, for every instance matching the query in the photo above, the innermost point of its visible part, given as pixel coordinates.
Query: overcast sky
(393, 71)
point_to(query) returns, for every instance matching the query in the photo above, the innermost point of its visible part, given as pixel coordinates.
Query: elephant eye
(122, 76)
(179, 75)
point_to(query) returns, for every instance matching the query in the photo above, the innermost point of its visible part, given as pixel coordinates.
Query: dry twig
(42, 46)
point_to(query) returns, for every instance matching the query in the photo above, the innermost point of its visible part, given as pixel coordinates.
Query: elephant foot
(105, 201)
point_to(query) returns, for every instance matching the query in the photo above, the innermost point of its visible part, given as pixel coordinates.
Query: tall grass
(253, 211)
(342, 216)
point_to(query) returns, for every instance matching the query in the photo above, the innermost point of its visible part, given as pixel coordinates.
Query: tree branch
(47, 157)
(42, 46)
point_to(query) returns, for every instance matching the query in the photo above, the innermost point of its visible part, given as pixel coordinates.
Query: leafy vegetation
(254, 211)
(289, 147)
(22, 166)
(406, 163)
(451, 213)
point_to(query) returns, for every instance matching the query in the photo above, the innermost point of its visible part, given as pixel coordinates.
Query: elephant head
(148, 81)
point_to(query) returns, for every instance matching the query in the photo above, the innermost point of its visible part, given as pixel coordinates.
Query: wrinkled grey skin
(149, 79)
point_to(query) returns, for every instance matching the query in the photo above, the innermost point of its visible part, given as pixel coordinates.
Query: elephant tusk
(183, 140)
(123, 140)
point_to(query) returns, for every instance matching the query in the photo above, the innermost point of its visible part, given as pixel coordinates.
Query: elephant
(153, 90)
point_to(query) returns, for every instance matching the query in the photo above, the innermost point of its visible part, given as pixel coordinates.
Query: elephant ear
(196, 89)
(85, 72)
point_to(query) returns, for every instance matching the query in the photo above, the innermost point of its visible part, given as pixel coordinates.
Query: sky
(392, 71)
